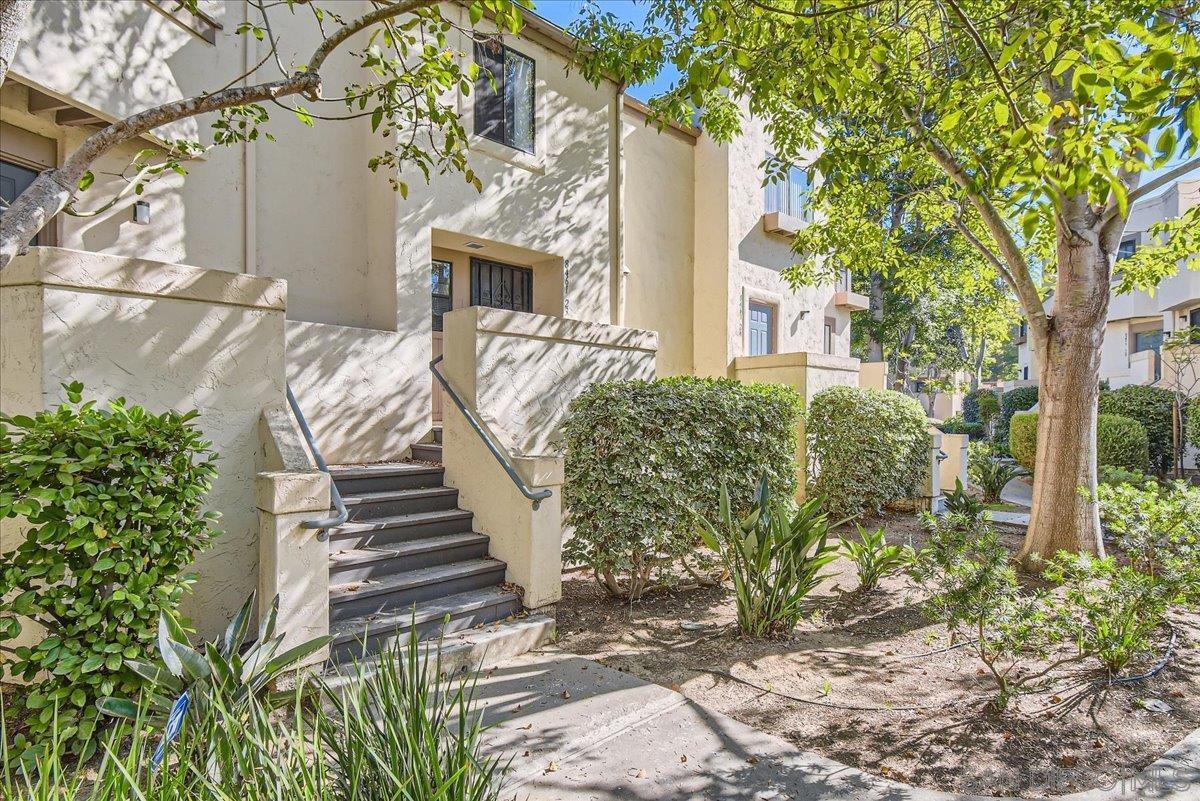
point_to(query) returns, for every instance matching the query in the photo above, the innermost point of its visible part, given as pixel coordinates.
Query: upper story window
(504, 95)
(788, 194)
(1127, 247)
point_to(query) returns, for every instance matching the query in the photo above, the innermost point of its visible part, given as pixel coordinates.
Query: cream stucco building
(1138, 322)
(599, 247)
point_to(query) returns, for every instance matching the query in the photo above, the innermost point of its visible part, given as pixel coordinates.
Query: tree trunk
(1064, 515)
(874, 345)
(980, 358)
(14, 14)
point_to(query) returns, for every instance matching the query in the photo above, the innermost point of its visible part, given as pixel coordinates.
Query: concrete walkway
(578, 730)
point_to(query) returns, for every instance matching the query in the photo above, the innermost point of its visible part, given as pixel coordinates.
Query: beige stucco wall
(163, 336)
(517, 373)
(659, 236)
(307, 209)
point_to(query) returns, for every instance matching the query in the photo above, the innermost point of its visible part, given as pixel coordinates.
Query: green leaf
(87, 180)
(118, 707)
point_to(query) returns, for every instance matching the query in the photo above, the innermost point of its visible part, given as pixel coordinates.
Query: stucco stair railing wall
(169, 336)
(518, 372)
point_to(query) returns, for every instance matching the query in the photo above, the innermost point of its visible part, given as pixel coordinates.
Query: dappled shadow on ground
(879, 652)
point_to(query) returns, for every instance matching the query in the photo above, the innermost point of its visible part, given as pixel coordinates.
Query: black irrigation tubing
(726, 674)
(963, 644)
(1158, 667)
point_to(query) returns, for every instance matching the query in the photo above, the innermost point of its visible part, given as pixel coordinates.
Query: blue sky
(564, 12)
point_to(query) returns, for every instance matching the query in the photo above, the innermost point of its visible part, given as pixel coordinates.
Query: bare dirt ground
(875, 651)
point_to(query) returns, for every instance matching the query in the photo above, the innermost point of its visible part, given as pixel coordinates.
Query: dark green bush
(867, 448)
(980, 406)
(645, 458)
(1015, 400)
(957, 425)
(1120, 441)
(1152, 407)
(970, 407)
(114, 500)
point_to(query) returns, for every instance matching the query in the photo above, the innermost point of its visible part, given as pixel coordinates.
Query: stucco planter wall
(163, 336)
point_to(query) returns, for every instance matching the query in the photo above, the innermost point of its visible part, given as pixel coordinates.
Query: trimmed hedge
(1016, 400)
(645, 458)
(1120, 441)
(957, 425)
(1152, 407)
(866, 448)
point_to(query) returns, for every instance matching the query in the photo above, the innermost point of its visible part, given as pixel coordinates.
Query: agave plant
(187, 679)
(774, 556)
(960, 504)
(874, 558)
(993, 475)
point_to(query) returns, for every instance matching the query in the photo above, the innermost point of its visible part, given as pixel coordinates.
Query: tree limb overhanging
(53, 189)
(14, 15)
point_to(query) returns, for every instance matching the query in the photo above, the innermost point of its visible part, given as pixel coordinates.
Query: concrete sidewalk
(578, 730)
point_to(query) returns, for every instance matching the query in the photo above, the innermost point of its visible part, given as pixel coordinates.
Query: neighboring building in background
(1138, 322)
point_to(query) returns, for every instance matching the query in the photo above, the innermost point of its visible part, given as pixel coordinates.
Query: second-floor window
(1127, 248)
(788, 194)
(504, 95)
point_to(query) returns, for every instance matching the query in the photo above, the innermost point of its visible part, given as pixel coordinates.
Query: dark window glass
(501, 286)
(504, 95)
(1127, 248)
(440, 289)
(1194, 318)
(829, 336)
(15, 179)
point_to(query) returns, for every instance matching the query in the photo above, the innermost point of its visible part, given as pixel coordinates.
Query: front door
(501, 286)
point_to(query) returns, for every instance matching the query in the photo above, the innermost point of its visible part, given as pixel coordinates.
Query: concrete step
(355, 566)
(427, 452)
(364, 506)
(356, 478)
(367, 582)
(464, 650)
(361, 636)
(382, 531)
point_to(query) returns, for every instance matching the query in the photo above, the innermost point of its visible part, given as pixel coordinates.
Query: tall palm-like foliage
(774, 556)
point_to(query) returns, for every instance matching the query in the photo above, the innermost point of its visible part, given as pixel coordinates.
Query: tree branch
(14, 15)
(53, 189)
(1010, 252)
(1159, 182)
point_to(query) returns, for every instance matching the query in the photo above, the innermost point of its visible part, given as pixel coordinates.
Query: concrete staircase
(408, 556)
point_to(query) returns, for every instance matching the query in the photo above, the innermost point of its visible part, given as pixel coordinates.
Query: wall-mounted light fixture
(141, 212)
(803, 313)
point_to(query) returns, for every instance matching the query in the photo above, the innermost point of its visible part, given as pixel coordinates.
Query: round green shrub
(1015, 400)
(1120, 441)
(866, 448)
(645, 458)
(1022, 438)
(1153, 408)
(114, 501)
(989, 406)
(957, 425)
(970, 407)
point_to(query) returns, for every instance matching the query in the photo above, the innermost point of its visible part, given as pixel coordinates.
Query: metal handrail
(538, 496)
(323, 523)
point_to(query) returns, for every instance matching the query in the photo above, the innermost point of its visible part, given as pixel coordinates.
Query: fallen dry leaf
(552, 767)
(1069, 760)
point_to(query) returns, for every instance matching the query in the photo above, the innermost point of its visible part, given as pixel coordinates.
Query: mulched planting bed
(879, 651)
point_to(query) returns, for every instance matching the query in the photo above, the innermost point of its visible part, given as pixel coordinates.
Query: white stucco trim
(754, 294)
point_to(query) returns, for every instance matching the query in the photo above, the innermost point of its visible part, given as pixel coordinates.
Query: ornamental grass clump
(867, 448)
(774, 555)
(400, 730)
(114, 499)
(645, 459)
(874, 559)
